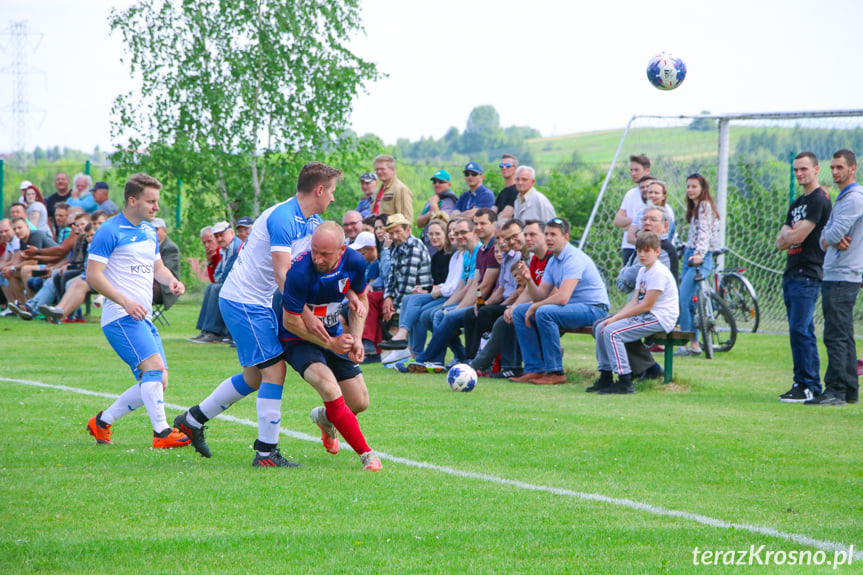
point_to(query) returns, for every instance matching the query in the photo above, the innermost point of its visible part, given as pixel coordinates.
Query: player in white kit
(124, 258)
(246, 301)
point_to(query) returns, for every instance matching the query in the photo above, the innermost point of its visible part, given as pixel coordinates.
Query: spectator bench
(669, 340)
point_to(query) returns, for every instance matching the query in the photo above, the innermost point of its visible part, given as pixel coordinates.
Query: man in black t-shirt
(801, 283)
(504, 204)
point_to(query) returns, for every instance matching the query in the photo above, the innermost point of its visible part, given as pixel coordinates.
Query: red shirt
(537, 267)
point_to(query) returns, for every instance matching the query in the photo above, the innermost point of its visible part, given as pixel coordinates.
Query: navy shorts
(300, 354)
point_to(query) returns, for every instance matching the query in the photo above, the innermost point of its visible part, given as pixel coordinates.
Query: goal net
(746, 159)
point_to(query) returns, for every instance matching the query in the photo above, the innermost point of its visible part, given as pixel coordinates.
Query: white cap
(26, 185)
(364, 240)
(159, 223)
(220, 227)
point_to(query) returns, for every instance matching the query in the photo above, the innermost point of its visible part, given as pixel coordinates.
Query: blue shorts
(134, 341)
(255, 331)
(300, 354)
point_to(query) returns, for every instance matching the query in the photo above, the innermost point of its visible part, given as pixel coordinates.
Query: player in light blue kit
(246, 305)
(124, 258)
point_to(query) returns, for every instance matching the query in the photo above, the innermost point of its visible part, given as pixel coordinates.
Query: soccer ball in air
(665, 71)
(461, 377)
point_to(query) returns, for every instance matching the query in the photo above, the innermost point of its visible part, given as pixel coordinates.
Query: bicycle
(713, 318)
(738, 294)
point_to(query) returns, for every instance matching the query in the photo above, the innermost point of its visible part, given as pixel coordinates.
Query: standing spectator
(37, 211)
(570, 296)
(633, 200)
(477, 195)
(81, 195)
(19, 210)
(100, 196)
(656, 195)
(59, 228)
(504, 204)
(244, 224)
(442, 201)
(393, 197)
(531, 204)
(703, 219)
(842, 238)
(61, 184)
(124, 260)
(368, 183)
(352, 224)
(800, 236)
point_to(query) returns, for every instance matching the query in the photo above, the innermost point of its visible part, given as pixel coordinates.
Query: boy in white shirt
(654, 309)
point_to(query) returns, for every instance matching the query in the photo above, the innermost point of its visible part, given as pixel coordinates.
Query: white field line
(637, 505)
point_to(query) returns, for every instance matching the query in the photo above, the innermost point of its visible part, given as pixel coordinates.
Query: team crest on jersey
(344, 283)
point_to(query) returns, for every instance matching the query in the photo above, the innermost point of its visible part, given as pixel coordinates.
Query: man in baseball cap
(244, 225)
(368, 183)
(477, 196)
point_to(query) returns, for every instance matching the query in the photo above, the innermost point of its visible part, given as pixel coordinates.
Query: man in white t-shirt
(653, 309)
(639, 165)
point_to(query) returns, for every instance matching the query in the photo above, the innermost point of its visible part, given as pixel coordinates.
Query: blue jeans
(800, 294)
(687, 287)
(413, 307)
(446, 326)
(210, 318)
(540, 343)
(837, 302)
(46, 295)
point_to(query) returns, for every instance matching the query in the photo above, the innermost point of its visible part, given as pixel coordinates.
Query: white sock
(125, 404)
(154, 399)
(225, 395)
(269, 406)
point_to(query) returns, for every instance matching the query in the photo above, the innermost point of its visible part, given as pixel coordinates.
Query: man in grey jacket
(842, 238)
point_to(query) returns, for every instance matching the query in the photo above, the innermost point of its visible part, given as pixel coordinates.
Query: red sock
(346, 423)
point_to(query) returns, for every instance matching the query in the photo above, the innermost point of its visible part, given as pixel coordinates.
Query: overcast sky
(558, 67)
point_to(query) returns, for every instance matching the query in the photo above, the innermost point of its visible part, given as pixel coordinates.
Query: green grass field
(506, 479)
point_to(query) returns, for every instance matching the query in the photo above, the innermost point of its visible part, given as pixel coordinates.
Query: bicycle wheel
(724, 326)
(740, 297)
(705, 322)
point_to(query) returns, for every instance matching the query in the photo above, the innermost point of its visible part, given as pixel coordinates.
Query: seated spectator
(57, 275)
(11, 244)
(37, 211)
(530, 203)
(446, 277)
(503, 340)
(480, 320)
(652, 220)
(244, 226)
(571, 295)
(410, 265)
(442, 201)
(80, 195)
(653, 310)
(21, 272)
(170, 253)
(205, 269)
(100, 196)
(448, 321)
(367, 246)
(384, 242)
(210, 323)
(352, 224)
(477, 195)
(368, 184)
(19, 210)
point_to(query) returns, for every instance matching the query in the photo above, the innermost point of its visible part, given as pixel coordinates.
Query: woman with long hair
(37, 211)
(703, 219)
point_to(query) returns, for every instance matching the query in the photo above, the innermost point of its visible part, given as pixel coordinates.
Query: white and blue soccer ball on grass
(461, 377)
(666, 71)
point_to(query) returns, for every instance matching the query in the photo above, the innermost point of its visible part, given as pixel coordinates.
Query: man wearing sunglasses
(477, 196)
(503, 205)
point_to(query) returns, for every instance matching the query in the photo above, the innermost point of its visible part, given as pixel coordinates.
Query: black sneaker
(274, 459)
(199, 442)
(826, 398)
(507, 373)
(394, 344)
(604, 381)
(655, 371)
(622, 387)
(797, 394)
